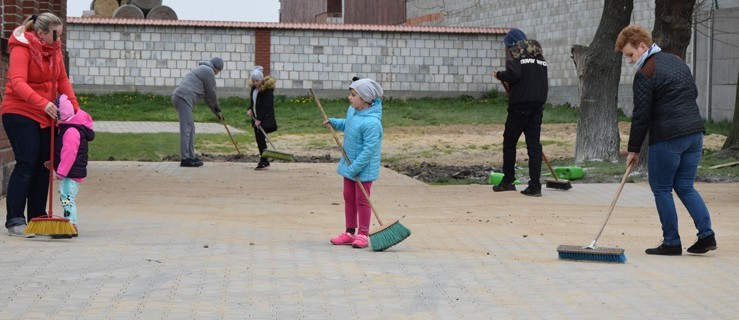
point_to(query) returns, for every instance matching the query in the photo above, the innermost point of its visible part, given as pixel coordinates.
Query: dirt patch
(448, 152)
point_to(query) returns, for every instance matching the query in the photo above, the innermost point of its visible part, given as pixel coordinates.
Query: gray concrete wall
(717, 88)
(150, 58)
(558, 24)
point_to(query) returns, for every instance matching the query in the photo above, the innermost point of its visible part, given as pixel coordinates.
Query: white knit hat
(368, 89)
(257, 73)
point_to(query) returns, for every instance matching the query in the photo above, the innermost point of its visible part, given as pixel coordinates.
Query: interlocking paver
(227, 242)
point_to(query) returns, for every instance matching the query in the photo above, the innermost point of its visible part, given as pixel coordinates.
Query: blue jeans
(29, 182)
(672, 165)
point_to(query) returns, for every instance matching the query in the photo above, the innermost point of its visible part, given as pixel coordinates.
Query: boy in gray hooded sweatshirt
(198, 84)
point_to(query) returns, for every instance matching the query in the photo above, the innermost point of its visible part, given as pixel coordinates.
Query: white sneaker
(20, 231)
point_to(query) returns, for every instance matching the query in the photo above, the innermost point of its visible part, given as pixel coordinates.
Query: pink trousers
(356, 207)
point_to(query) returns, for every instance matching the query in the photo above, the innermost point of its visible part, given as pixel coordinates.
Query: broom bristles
(50, 226)
(388, 236)
(559, 184)
(596, 254)
(277, 155)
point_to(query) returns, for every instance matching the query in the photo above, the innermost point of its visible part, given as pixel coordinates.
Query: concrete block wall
(106, 57)
(557, 24)
(721, 59)
(126, 58)
(406, 64)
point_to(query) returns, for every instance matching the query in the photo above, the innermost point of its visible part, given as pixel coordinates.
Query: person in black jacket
(526, 79)
(665, 108)
(262, 110)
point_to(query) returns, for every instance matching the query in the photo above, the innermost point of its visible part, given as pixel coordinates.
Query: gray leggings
(187, 127)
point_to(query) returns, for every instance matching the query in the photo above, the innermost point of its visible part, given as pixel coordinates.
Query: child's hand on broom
(46, 164)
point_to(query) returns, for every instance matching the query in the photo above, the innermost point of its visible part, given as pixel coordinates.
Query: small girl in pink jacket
(70, 154)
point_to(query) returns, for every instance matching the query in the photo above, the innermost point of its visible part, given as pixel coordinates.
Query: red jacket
(29, 88)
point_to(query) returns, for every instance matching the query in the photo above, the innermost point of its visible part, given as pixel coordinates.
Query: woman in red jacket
(36, 76)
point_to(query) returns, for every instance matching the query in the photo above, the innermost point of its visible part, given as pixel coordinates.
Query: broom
(57, 227)
(274, 154)
(230, 136)
(556, 184)
(592, 252)
(389, 234)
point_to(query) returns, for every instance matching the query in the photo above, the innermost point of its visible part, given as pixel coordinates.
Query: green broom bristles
(595, 254)
(277, 155)
(390, 235)
(51, 226)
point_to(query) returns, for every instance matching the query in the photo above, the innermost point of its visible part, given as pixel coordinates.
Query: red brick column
(263, 49)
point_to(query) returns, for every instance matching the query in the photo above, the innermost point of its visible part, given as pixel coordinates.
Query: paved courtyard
(223, 241)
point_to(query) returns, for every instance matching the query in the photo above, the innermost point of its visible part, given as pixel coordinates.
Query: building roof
(292, 26)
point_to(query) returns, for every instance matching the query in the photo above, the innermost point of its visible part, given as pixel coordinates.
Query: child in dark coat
(262, 110)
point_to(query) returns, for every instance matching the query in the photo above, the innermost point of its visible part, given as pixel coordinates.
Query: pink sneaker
(360, 241)
(343, 238)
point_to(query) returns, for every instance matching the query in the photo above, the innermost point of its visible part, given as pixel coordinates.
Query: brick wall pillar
(263, 49)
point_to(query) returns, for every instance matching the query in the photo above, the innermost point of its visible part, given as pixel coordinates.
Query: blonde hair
(633, 35)
(43, 22)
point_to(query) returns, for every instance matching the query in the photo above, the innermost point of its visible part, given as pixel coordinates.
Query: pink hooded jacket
(71, 138)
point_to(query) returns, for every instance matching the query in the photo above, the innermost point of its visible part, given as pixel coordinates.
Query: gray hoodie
(200, 84)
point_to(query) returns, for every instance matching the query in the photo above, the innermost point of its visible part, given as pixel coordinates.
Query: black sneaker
(191, 163)
(665, 250)
(531, 192)
(703, 245)
(504, 187)
(262, 166)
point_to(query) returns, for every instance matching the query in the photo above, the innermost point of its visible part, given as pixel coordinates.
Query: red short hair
(633, 35)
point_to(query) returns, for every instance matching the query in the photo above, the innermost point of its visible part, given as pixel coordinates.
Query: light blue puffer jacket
(362, 142)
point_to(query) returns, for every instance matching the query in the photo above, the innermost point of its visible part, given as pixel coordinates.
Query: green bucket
(496, 177)
(569, 173)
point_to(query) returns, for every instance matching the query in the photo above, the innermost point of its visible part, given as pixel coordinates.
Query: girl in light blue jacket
(362, 143)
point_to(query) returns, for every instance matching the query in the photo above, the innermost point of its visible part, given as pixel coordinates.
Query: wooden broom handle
(230, 136)
(265, 134)
(543, 156)
(338, 143)
(613, 205)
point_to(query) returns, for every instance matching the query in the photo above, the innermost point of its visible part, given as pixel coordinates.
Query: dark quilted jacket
(79, 168)
(664, 101)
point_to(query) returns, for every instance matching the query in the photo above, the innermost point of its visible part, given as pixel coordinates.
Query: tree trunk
(673, 22)
(599, 70)
(731, 145)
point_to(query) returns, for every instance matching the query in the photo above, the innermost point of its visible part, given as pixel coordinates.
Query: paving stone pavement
(223, 241)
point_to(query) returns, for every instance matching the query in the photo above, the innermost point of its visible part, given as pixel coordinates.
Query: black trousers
(530, 125)
(29, 182)
(261, 144)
